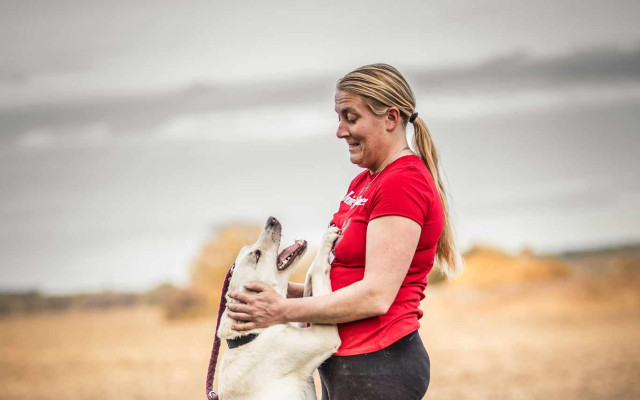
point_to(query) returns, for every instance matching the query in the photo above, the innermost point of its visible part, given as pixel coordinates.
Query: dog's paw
(330, 238)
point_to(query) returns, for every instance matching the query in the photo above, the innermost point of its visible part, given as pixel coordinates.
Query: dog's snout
(272, 221)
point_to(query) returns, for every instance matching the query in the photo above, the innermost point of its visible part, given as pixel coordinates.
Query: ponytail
(448, 260)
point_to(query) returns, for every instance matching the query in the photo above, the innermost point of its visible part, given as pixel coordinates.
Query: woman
(394, 221)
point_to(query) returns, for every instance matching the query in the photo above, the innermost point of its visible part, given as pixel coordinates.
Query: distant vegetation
(34, 301)
(485, 267)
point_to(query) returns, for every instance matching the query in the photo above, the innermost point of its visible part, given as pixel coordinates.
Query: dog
(279, 362)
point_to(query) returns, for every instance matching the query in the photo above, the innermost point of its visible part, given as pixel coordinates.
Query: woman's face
(363, 131)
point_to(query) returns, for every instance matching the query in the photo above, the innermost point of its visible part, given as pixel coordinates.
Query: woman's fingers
(256, 287)
(239, 316)
(238, 307)
(247, 326)
(240, 296)
(262, 306)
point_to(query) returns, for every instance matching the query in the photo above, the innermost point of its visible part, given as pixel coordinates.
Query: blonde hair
(382, 86)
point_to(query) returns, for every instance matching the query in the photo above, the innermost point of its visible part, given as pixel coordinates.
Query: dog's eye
(258, 253)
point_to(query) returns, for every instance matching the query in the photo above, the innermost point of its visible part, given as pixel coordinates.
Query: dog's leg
(307, 292)
(315, 344)
(321, 284)
(320, 268)
(307, 282)
(321, 263)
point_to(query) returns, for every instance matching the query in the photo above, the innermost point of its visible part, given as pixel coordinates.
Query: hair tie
(413, 117)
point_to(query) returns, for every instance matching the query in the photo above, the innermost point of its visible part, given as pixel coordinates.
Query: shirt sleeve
(405, 193)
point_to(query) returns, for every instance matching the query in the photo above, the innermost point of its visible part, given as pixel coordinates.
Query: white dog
(276, 362)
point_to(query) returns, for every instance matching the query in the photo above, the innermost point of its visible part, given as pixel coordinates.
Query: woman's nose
(342, 131)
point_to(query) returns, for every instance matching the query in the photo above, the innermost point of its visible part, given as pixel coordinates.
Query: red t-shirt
(405, 187)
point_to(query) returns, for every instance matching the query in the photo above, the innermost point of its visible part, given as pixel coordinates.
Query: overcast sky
(130, 130)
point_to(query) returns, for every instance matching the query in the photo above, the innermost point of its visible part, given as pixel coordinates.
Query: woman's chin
(355, 157)
(355, 160)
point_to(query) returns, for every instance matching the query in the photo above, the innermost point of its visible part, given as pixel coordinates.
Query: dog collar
(241, 340)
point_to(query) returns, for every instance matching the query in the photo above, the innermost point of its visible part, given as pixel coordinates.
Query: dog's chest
(257, 381)
(263, 368)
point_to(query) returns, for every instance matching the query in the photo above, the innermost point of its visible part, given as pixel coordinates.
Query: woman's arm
(391, 245)
(295, 290)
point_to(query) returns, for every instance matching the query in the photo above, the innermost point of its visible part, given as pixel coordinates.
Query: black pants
(400, 371)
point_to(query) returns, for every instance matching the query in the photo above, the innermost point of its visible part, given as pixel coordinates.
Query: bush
(184, 303)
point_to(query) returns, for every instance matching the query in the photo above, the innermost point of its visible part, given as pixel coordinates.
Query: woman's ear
(392, 118)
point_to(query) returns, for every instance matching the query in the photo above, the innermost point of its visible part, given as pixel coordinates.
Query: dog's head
(261, 261)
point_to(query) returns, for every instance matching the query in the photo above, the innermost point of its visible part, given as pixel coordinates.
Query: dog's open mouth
(290, 254)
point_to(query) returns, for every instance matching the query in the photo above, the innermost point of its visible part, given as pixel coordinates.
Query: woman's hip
(399, 371)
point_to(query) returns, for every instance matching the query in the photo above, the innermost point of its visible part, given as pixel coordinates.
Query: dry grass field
(570, 337)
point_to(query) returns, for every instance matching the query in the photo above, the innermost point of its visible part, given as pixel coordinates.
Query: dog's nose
(272, 222)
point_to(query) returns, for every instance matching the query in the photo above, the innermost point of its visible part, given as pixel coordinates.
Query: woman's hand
(260, 308)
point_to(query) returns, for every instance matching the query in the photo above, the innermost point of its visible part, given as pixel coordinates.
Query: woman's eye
(258, 253)
(350, 121)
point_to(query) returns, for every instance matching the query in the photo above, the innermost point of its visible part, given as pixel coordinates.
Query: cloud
(516, 74)
(14, 73)
(85, 135)
(12, 76)
(595, 66)
(587, 192)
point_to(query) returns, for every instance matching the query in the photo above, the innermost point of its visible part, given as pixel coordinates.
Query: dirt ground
(553, 340)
